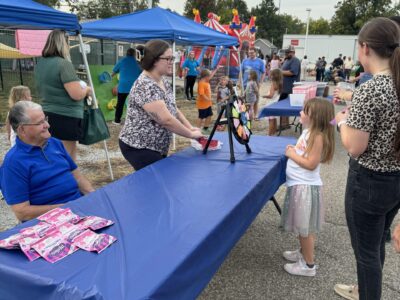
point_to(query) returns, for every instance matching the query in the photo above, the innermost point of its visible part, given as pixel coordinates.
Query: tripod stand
(231, 129)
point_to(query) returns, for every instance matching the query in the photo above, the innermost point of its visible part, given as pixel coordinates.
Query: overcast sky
(319, 8)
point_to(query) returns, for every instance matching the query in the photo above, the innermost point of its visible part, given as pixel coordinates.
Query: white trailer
(329, 46)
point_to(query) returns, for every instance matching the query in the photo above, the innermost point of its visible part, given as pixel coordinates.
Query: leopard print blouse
(375, 109)
(140, 131)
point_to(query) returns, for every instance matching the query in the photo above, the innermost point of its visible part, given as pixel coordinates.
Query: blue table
(283, 109)
(175, 222)
(280, 109)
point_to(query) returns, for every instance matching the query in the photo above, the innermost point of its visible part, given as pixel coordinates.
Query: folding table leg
(278, 208)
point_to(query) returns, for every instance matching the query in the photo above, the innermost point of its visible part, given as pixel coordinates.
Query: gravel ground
(254, 268)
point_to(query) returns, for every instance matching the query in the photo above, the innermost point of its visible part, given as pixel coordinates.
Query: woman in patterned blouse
(370, 132)
(152, 114)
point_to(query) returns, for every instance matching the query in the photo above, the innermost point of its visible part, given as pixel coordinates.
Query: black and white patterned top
(140, 130)
(375, 109)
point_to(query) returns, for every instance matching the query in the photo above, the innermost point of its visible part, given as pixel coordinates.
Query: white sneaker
(116, 123)
(300, 268)
(293, 256)
(349, 292)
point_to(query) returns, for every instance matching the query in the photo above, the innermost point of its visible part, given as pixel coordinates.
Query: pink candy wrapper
(50, 214)
(54, 247)
(12, 242)
(65, 215)
(26, 247)
(69, 231)
(94, 223)
(91, 241)
(40, 229)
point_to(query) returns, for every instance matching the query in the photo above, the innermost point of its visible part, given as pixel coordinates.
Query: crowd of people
(39, 171)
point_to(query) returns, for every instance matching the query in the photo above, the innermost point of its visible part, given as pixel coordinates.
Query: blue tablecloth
(282, 109)
(175, 222)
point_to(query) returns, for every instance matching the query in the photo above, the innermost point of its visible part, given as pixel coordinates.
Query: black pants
(319, 75)
(120, 106)
(190, 81)
(372, 201)
(139, 158)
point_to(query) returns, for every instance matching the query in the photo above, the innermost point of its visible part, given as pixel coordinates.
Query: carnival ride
(210, 57)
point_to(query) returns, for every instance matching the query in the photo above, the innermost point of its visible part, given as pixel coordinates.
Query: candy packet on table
(54, 247)
(91, 241)
(94, 223)
(50, 214)
(26, 247)
(40, 229)
(12, 242)
(69, 231)
(63, 216)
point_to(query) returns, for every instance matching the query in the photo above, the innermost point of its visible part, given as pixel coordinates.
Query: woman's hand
(196, 133)
(396, 238)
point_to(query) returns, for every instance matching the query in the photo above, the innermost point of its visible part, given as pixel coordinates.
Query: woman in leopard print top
(370, 132)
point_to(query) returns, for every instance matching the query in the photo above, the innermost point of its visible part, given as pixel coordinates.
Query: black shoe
(193, 98)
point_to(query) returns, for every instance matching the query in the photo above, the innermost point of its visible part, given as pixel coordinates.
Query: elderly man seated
(38, 174)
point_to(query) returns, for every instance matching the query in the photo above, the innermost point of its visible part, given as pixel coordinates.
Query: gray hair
(18, 114)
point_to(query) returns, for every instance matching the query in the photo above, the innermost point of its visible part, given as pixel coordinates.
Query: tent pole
(94, 99)
(20, 72)
(1, 77)
(173, 91)
(240, 74)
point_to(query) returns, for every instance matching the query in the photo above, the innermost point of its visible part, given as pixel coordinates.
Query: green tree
(272, 26)
(204, 7)
(350, 15)
(224, 10)
(319, 26)
(95, 9)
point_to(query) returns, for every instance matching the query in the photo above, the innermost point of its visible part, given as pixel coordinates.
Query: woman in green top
(61, 91)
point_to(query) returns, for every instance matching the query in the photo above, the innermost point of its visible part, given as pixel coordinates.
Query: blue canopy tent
(157, 23)
(27, 14)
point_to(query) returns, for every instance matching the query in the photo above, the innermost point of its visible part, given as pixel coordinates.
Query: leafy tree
(94, 9)
(224, 10)
(319, 26)
(350, 15)
(204, 7)
(273, 26)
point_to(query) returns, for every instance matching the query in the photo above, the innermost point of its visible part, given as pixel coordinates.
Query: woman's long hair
(321, 112)
(56, 45)
(383, 35)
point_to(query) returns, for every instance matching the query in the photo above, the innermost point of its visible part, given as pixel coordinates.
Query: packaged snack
(54, 247)
(50, 214)
(91, 241)
(39, 229)
(26, 247)
(63, 216)
(11, 242)
(69, 231)
(94, 223)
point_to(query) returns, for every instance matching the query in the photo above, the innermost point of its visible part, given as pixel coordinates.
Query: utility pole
(308, 23)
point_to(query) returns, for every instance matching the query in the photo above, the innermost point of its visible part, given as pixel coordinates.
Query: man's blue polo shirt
(248, 65)
(40, 176)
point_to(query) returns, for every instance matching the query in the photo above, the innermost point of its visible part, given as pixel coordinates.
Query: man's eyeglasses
(45, 120)
(169, 59)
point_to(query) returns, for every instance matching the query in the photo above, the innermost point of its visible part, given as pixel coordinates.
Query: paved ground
(254, 268)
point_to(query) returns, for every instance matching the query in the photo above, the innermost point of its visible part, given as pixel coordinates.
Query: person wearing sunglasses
(152, 114)
(38, 174)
